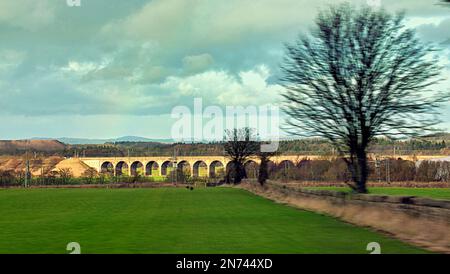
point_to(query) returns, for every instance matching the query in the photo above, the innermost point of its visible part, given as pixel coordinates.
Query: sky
(111, 68)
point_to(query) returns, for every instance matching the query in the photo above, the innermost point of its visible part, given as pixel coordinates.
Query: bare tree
(264, 158)
(89, 175)
(239, 145)
(65, 174)
(360, 74)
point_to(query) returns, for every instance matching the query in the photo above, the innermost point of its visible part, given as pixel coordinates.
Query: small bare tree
(360, 74)
(65, 174)
(239, 145)
(89, 175)
(264, 158)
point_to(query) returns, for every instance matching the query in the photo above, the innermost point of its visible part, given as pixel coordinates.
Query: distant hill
(86, 141)
(437, 137)
(140, 139)
(15, 146)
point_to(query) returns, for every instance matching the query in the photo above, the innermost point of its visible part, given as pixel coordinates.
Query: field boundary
(423, 222)
(411, 184)
(110, 185)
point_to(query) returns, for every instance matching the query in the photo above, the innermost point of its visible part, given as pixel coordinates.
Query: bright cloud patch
(219, 87)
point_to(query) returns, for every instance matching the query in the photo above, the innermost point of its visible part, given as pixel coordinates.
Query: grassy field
(169, 220)
(435, 193)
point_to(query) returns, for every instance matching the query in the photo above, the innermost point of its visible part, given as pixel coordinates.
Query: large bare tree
(357, 75)
(240, 145)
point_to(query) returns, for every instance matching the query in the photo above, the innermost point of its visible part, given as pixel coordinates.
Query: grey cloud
(197, 63)
(436, 33)
(27, 14)
(154, 74)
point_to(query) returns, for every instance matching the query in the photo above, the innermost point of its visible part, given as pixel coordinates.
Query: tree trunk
(239, 172)
(364, 172)
(263, 172)
(359, 170)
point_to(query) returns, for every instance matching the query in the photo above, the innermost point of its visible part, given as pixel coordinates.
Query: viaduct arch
(197, 166)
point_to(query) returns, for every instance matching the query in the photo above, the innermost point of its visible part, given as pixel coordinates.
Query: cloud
(197, 63)
(62, 91)
(27, 14)
(221, 88)
(139, 57)
(202, 22)
(153, 75)
(437, 31)
(156, 21)
(81, 68)
(11, 59)
(238, 33)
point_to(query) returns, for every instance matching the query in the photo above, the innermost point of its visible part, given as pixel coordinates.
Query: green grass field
(435, 193)
(169, 220)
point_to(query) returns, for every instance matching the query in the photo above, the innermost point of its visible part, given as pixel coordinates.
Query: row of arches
(198, 169)
(152, 168)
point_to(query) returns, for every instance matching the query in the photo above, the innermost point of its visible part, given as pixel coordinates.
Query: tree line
(313, 146)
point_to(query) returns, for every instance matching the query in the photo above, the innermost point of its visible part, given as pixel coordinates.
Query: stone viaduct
(196, 166)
